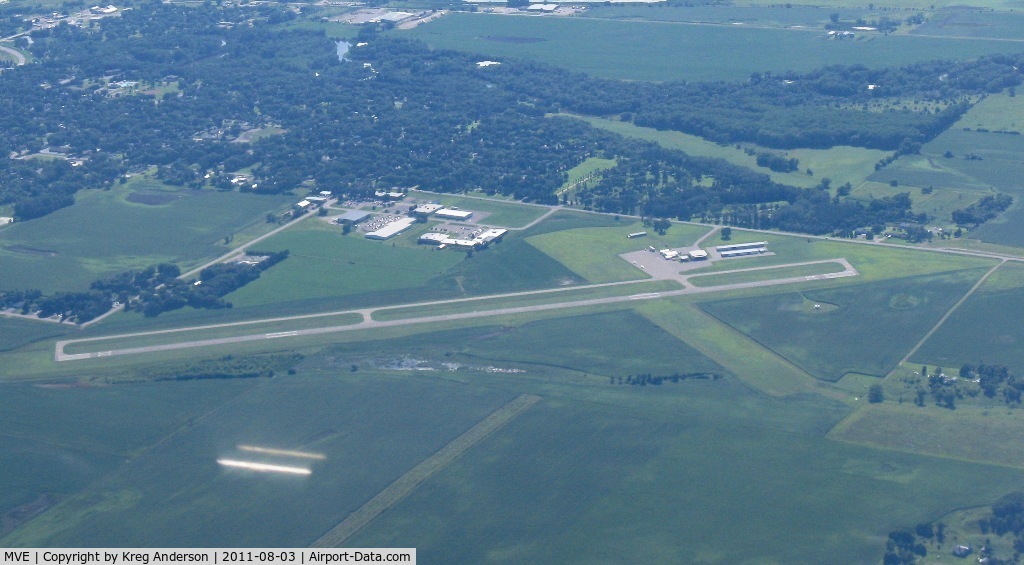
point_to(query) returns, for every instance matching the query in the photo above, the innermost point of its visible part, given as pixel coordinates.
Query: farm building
(454, 214)
(392, 229)
(427, 209)
(353, 217)
(738, 246)
(698, 255)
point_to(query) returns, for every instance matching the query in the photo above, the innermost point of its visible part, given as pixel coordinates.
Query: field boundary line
(948, 313)
(408, 482)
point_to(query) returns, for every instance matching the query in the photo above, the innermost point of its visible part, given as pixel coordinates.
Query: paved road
(19, 59)
(369, 323)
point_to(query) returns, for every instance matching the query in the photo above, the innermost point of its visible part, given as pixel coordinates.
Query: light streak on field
(285, 452)
(264, 467)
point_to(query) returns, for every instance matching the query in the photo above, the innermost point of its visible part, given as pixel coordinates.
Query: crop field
(863, 328)
(696, 472)
(678, 51)
(592, 252)
(74, 246)
(368, 431)
(16, 333)
(987, 145)
(841, 164)
(997, 112)
(504, 214)
(986, 328)
(974, 24)
(45, 460)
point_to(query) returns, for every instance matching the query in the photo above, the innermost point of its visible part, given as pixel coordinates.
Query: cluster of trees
(776, 162)
(207, 291)
(152, 291)
(995, 380)
(657, 380)
(983, 210)
(902, 548)
(228, 367)
(401, 114)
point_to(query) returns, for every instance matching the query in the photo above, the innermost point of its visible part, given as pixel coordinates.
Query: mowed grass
(505, 214)
(542, 298)
(970, 433)
(985, 328)
(592, 253)
(997, 112)
(668, 51)
(323, 263)
(104, 234)
(924, 171)
(939, 205)
(966, 24)
(764, 274)
(369, 431)
(873, 261)
(840, 164)
(726, 14)
(697, 472)
(865, 328)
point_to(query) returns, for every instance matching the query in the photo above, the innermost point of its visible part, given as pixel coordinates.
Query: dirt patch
(21, 514)
(26, 250)
(152, 198)
(512, 39)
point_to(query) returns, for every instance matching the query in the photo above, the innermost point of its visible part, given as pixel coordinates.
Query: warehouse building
(740, 246)
(352, 217)
(450, 214)
(426, 209)
(391, 229)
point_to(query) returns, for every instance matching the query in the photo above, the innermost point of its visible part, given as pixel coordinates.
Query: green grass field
(939, 205)
(969, 433)
(670, 51)
(773, 16)
(922, 171)
(592, 253)
(16, 333)
(865, 328)
(841, 164)
(997, 112)
(765, 274)
(104, 234)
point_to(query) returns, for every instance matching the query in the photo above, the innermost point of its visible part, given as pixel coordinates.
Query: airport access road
(369, 323)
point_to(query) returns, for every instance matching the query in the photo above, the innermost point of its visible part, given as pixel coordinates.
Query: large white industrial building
(391, 229)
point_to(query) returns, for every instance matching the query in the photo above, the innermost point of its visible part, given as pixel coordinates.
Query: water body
(343, 47)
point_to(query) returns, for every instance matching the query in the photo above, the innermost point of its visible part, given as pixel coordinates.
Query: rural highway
(368, 322)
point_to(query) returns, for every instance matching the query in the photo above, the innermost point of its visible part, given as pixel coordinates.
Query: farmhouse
(392, 229)
(454, 214)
